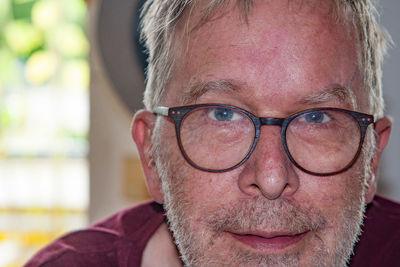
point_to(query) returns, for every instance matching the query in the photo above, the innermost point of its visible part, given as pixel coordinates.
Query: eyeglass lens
(324, 141)
(218, 138)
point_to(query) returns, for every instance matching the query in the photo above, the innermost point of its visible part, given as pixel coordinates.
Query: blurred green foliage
(42, 43)
(29, 26)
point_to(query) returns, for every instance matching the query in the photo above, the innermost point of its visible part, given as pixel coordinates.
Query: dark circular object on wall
(117, 34)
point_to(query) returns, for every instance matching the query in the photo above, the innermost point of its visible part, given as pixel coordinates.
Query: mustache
(262, 214)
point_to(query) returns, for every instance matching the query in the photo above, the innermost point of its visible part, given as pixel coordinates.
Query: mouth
(270, 242)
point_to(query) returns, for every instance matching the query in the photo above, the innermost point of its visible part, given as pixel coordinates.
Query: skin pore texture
(266, 212)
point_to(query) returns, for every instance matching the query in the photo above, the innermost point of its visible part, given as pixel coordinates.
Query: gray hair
(160, 18)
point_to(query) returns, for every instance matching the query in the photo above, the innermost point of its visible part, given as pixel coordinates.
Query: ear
(142, 130)
(383, 128)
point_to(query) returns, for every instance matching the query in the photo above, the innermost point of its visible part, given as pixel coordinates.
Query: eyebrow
(331, 93)
(196, 90)
(328, 94)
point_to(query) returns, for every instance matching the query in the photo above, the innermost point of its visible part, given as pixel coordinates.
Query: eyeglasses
(220, 138)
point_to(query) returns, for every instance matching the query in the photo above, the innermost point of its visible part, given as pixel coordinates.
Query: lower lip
(273, 243)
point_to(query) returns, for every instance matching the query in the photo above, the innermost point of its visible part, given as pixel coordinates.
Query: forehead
(286, 43)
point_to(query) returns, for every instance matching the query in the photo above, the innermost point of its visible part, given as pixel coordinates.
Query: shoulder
(381, 203)
(380, 240)
(132, 220)
(382, 216)
(121, 237)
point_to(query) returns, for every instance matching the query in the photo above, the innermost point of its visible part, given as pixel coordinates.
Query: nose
(269, 171)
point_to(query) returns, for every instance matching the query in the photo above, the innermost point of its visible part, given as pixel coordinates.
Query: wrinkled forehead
(196, 28)
(199, 19)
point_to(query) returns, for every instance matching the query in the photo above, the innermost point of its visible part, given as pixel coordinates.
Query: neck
(161, 249)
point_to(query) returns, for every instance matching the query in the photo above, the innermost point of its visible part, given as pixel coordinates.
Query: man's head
(273, 59)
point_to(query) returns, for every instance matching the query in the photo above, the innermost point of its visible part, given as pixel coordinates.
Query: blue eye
(224, 114)
(315, 117)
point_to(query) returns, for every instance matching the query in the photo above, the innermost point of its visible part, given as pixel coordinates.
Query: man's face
(266, 212)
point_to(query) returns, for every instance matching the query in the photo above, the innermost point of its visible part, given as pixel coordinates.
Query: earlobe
(383, 128)
(142, 130)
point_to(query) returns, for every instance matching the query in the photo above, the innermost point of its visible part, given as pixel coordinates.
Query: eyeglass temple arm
(161, 110)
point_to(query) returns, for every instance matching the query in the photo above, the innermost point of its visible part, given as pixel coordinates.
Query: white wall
(110, 139)
(389, 184)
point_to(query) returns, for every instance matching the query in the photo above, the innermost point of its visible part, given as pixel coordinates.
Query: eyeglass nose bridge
(272, 121)
(268, 122)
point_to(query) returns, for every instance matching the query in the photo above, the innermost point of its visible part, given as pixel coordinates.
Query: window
(44, 112)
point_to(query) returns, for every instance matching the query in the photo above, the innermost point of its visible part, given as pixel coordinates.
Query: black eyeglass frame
(178, 113)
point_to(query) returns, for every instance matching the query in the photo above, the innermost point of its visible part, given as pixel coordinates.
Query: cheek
(198, 188)
(332, 194)
(202, 191)
(208, 189)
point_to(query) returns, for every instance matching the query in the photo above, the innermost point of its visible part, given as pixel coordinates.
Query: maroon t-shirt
(121, 239)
